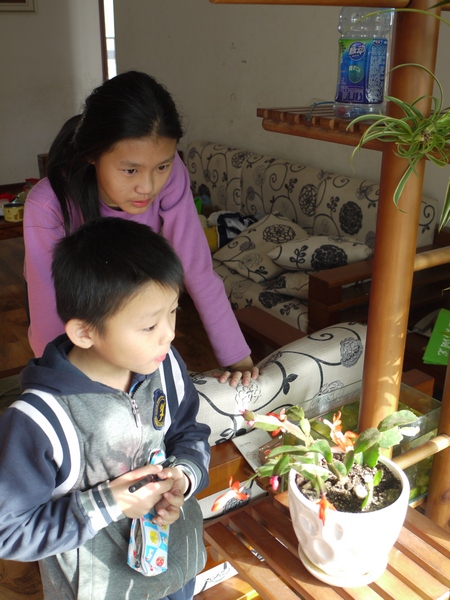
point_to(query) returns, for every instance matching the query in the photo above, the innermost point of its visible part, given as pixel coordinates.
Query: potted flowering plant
(342, 492)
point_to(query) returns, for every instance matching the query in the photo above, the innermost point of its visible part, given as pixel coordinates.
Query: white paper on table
(249, 444)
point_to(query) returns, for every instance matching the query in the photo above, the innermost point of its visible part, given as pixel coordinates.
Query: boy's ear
(79, 333)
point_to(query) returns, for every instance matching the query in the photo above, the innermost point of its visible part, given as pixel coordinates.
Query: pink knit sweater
(173, 213)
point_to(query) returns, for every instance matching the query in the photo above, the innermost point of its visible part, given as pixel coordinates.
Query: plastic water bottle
(363, 55)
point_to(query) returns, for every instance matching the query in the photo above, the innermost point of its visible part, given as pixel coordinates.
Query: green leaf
(295, 413)
(403, 181)
(305, 426)
(371, 456)
(367, 438)
(349, 460)
(282, 465)
(266, 426)
(390, 438)
(397, 419)
(359, 459)
(442, 3)
(340, 468)
(323, 447)
(377, 477)
(311, 471)
(265, 470)
(296, 450)
(368, 499)
(445, 215)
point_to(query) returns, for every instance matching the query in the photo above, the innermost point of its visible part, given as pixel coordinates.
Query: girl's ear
(79, 333)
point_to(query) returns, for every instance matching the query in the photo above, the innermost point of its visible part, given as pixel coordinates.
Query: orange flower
(345, 441)
(276, 431)
(324, 506)
(233, 493)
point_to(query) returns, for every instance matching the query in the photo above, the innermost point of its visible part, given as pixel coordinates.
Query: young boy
(92, 410)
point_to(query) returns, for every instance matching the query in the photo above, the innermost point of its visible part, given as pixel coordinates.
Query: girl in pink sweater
(119, 158)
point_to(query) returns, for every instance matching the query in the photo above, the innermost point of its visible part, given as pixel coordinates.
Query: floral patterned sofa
(309, 221)
(302, 371)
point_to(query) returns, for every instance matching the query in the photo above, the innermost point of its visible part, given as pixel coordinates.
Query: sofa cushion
(292, 283)
(243, 292)
(247, 253)
(318, 252)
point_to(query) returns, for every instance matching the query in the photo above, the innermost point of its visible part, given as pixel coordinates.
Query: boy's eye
(150, 328)
(130, 171)
(163, 168)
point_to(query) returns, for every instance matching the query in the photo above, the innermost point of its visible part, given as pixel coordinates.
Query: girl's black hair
(104, 263)
(130, 105)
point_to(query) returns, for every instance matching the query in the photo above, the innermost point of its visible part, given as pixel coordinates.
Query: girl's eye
(150, 328)
(163, 168)
(175, 310)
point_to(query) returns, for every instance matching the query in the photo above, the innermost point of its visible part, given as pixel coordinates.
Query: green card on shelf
(438, 347)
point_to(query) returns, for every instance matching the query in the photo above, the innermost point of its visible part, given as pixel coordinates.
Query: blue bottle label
(362, 67)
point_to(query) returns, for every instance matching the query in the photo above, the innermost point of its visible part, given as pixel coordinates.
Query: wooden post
(437, 507)
(395, 243)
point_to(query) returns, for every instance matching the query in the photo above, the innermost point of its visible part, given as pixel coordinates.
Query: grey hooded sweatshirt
(62, 442)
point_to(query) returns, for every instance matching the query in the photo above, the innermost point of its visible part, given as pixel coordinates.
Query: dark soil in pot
(348, 495)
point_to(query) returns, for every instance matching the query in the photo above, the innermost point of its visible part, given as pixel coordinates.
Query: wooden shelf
(318, 123)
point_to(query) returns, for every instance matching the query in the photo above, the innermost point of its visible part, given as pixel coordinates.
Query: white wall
(221, 62)
(50, 60)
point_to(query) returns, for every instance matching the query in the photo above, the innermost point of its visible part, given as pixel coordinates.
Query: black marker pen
(149, 478)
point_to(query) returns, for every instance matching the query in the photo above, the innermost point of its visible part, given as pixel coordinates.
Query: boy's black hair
(104, 263)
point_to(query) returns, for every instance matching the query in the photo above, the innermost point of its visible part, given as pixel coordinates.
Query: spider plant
(415, 135)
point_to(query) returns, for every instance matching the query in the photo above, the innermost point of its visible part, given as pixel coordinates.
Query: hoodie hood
(54, 373)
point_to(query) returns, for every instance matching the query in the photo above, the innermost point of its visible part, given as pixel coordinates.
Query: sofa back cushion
(215, 172)
(321, 202)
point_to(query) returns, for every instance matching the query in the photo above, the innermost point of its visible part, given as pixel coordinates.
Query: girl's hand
(137, 504)
(243, 371)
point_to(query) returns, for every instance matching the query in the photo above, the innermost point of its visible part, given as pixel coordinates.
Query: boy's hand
(168, 508)
(137, 504)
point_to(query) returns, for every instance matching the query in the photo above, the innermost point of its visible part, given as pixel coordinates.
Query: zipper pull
(135, 411)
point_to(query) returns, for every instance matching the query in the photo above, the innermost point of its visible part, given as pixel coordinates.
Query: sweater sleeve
(34, 524)
(182, 227)
(43, 227)
(186, 437)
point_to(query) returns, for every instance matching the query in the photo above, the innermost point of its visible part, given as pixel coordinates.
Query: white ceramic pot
(351, 549)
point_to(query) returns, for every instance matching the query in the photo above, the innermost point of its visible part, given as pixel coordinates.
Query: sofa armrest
(331, 295)
(295, 373)
(332, 298)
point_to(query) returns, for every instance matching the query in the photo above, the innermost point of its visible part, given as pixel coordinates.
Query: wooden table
(9, 229)
(419, 563)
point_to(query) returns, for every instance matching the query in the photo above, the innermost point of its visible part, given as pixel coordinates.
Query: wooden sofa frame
(333, 299)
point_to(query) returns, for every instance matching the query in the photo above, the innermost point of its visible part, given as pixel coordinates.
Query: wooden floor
(15, 350)
(191, 340)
